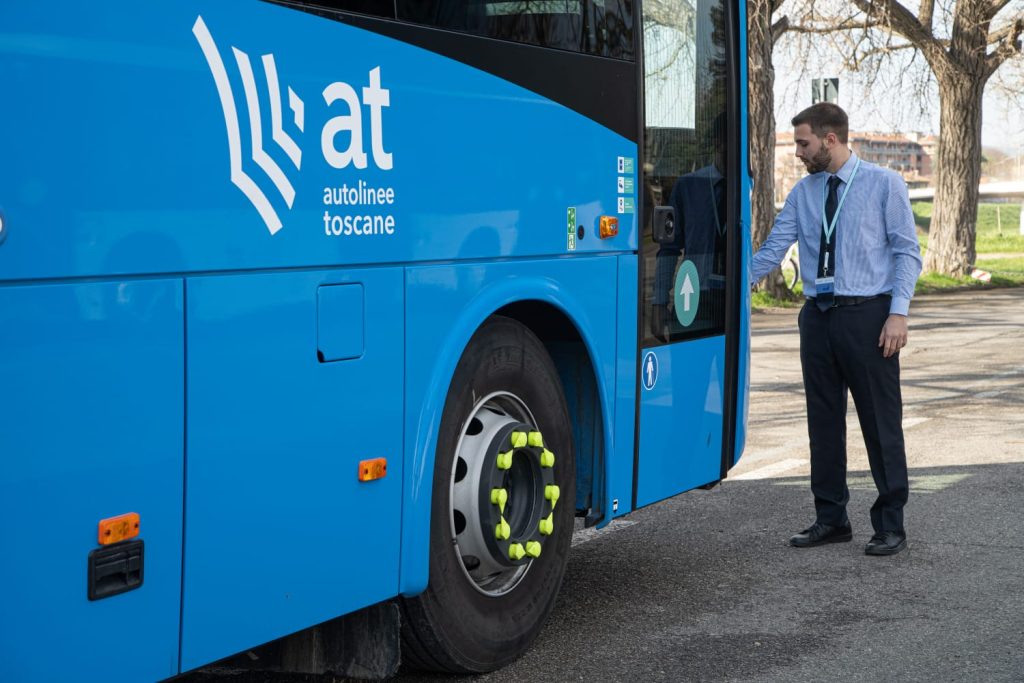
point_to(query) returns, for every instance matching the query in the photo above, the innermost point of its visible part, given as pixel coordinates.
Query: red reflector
(376, 468)
(120, 528)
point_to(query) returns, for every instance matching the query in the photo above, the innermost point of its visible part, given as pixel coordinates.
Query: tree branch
(1010, 46)
(834, 28)
(885, 50)
(924, 17)
(1005, 31)
(778, 28)
(995, 6)
(901, 21)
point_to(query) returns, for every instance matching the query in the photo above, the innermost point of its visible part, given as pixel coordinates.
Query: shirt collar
(846, 170)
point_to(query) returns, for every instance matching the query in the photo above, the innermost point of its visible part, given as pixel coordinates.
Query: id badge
(825, 285)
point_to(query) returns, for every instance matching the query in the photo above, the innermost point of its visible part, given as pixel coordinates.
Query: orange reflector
(609, 227)
(373, 469)
(120, 528)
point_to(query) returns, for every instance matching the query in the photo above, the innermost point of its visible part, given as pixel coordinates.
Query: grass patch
(998, 232)
(1011, 264)
(929, 283)
(761, 299)
(1006, 272)
(922, 215)
(998, 227)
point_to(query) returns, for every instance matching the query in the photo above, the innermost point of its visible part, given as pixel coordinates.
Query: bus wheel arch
(575, 364)
(504, 430)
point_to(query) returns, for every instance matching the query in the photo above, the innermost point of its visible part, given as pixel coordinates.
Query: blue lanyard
(830, 228)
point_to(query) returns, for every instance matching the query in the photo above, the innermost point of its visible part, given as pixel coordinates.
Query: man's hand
(894, 334)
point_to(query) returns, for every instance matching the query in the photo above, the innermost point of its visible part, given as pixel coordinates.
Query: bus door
(688, 253)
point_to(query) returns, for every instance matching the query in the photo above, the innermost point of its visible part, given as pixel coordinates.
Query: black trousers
(839, 351)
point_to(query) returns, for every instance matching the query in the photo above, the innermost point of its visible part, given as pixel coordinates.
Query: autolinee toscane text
(359, 219)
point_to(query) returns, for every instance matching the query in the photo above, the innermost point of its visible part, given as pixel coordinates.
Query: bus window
(685, 184)
(373, 8)
(597, 27)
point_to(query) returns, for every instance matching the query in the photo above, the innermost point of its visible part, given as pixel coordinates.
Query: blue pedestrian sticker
(649, 370)
(687, 293)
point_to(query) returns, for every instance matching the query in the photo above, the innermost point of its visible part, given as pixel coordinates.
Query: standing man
(859, 261)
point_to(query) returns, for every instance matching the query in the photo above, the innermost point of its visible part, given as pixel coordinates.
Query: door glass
(685, 230)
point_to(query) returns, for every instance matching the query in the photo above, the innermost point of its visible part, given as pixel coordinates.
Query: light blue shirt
(877, 251)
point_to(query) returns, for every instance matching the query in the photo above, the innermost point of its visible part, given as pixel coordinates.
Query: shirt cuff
(900, 306)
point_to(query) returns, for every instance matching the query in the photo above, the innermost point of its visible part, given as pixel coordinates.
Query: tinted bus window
(597, 27)
(685, 171)
(373, 8)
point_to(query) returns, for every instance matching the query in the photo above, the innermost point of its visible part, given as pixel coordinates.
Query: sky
(888, 106)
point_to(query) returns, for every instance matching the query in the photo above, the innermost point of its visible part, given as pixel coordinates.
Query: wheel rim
(500, 449)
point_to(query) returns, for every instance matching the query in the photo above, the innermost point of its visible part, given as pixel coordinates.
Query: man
(859, 260)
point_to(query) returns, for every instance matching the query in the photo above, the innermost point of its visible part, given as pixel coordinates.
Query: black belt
(840, 300)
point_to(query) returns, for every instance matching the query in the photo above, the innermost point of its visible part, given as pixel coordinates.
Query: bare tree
(964, 43)
(762, 33)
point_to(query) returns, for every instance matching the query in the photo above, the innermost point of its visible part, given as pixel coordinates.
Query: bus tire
(486, 602)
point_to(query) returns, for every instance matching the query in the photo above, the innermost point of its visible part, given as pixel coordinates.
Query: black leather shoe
(886, 543)
(820, 534)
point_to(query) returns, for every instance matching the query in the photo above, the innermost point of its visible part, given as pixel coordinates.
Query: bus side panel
(681, 420)
(91, 409)
(445, 304)
(293, 380)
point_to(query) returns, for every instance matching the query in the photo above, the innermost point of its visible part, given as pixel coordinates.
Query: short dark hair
(825, 117)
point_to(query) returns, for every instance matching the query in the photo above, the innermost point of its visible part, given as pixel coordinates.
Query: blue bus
(341, 312)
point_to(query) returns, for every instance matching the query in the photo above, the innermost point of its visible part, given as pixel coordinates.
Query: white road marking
(586, 535)
(919, 483)
(990, 394)
(770, 470)
(766, 453)
(913, 421)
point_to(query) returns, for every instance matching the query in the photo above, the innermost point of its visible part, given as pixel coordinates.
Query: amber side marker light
(376, 468)
(120, 528)
(608, 227)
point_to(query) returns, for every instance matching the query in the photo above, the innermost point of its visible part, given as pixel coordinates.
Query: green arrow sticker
(686, 293)
(570, 219)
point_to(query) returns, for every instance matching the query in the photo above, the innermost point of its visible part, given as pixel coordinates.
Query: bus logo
(242, 180)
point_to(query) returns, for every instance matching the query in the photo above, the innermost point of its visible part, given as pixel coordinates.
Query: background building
(909, 154)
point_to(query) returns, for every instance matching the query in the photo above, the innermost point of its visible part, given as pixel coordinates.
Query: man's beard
(819, 162)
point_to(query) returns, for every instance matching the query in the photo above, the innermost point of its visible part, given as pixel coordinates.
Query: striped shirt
(877, 251)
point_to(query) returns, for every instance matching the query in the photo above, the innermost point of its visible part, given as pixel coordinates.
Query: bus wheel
(502, 509)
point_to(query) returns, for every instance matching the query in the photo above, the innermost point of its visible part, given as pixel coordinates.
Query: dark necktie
(827, 250)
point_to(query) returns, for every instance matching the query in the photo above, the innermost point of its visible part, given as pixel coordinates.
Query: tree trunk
(761, 100)
(954, 218)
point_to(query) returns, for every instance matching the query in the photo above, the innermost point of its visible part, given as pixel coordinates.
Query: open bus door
(689, 249)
